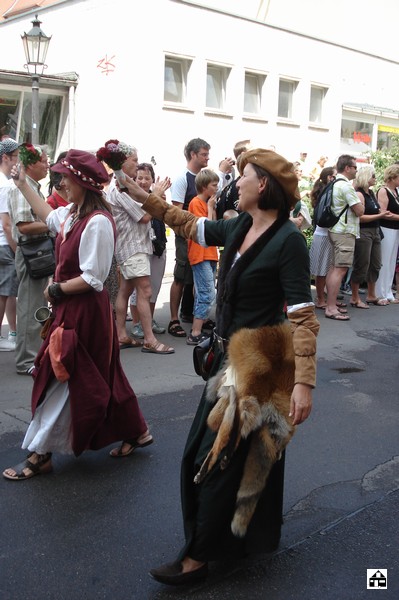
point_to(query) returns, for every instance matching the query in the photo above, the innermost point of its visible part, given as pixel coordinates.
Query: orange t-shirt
(197, 253)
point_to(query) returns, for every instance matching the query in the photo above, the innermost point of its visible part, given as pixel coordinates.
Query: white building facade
(160, 72)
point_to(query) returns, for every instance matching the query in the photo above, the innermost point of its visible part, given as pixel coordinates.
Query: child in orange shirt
(203, 261)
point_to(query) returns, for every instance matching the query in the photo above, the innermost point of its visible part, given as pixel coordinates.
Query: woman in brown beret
(81, 398)
(264, 270)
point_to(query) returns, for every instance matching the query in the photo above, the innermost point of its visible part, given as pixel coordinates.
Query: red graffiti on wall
(106, 65)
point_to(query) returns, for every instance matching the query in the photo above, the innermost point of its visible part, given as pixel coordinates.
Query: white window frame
(319, 118)
(293, 83)
(183, 64)
(259, 80)
(213, 70)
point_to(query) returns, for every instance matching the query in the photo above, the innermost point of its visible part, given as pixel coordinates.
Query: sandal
(338, 317)
(360, 304)
(43, 465)
(194, 340)
(175, 329)
(378, 302)
(128, 342)
(157, 348)
(117, 452)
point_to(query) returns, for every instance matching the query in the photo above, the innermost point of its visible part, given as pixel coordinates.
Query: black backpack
(323, 214)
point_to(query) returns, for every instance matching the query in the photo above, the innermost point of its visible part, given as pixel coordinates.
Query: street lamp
(36, 44)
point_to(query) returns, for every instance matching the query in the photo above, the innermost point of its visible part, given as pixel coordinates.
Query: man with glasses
(8, 275)
(26, 226)
(344, 233)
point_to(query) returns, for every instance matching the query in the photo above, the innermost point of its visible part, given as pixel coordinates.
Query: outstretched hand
(135, 191)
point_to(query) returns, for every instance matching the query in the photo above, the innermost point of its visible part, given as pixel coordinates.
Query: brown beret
(276, 165)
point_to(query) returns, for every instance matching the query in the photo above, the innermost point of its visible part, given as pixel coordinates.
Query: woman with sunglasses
(367, 258)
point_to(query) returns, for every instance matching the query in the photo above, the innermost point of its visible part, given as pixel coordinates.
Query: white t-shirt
(4, 187)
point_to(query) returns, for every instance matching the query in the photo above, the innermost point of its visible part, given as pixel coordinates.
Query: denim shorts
(204, 285)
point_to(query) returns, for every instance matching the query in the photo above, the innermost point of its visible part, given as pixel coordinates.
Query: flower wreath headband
(81, 175)
(114, 153)
(29, 154)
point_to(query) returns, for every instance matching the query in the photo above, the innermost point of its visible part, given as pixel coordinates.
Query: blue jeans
(204, 285)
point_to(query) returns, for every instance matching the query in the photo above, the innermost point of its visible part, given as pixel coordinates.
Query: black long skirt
(208, 507)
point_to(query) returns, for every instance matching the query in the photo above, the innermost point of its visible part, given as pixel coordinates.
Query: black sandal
(175, 329)
(43, 465)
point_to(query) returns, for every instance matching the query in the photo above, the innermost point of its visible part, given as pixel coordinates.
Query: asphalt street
(93, 528)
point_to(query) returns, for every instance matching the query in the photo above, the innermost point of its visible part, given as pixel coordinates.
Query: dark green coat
(279, 274)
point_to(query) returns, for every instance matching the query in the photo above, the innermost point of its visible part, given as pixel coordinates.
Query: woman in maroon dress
(81, 397)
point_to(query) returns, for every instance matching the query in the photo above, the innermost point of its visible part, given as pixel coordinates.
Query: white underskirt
(51, 428)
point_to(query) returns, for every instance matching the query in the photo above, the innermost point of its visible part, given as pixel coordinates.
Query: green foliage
(382, 159)
(308, 233)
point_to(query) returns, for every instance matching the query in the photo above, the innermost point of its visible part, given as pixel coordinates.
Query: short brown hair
(345, 160)
(241, 147)
(204, 178)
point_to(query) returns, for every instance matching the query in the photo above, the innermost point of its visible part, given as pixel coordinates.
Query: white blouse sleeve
(96, 250)
(57, 217)
(201, 232)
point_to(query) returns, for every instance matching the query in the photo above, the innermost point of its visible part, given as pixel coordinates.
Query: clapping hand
(161, 186)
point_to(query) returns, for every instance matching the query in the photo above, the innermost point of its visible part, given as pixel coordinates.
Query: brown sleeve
(304, 327)
(181, 221)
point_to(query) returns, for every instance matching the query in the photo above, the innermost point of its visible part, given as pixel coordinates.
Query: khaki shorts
(137, 265)
(343, 248)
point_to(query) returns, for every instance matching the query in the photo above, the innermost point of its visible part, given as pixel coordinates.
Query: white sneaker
(12, 337)
(6, 346)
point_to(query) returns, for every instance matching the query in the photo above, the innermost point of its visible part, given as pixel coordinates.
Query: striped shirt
(133, 237)
(19, 209)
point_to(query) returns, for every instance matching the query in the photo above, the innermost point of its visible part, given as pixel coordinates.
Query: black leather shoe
(172, 574)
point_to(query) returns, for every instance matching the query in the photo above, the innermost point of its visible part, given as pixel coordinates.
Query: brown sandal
(157, 348)
(128, 342)
(175, 329)
(117, 452)
(43, 465)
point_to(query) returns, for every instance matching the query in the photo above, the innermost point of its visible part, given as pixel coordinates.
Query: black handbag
(159, 241)
(203, 356)
(39, 256)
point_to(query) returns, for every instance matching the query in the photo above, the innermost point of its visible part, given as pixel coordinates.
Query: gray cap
(7, 146)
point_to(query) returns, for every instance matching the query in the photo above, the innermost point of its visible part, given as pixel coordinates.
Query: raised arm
(181, 221)
(39, 206)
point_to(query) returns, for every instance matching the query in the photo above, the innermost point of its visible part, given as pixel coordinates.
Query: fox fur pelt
(252, 393)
